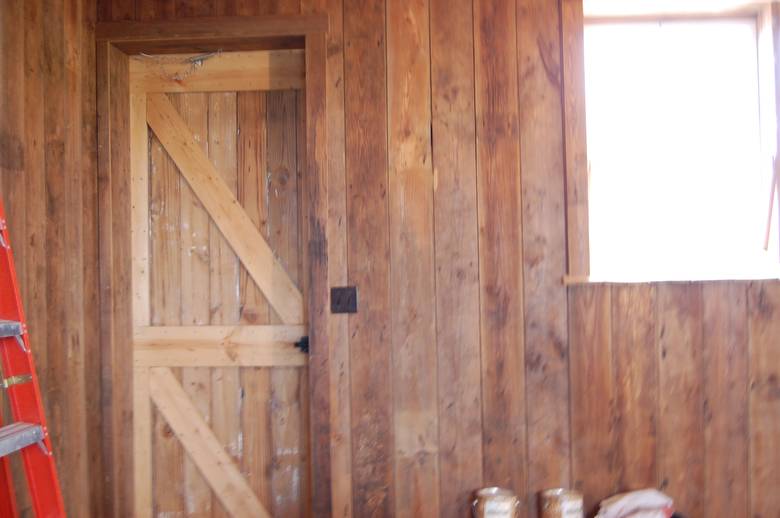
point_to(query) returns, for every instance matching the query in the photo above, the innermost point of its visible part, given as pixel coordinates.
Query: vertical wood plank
(165, 304)
(116, 377)
(141, 282)
(139, 225)
(544, 246)
(142, 444)
(223, 277)
(283, 228)
(336, 454)
(74, 424)
(410, 196)
(593, 392)
(636, 381)
(726, 399)
(576, 156)
(92, 344)
(313, 166)
(681, 398)
(149, 10)
(253, 196)
(195, 291)
(500, 246)
(368, 251)
(764, 314)
(194, 8)
(35, 182)
(457, 254)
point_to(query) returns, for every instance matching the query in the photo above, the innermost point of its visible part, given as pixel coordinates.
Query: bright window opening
(681, 151)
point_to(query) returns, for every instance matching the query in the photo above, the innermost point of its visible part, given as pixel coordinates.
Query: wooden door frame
(119, 305)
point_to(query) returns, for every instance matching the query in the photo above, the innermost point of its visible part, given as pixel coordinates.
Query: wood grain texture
(412, 280)
(500, 246)
(593, 394)
(313, 167)
(636, 380)
(223, 279)
(193, 286)
(764, 329)
(368, 257)
(575, 152)
(252, 194)
(681, 457)
(165, 216)
(228, 72)
(544, 246)
(283, 230)
(222, 206)
(453, 131)
(202, 445)
(726, 399)
(116, 378)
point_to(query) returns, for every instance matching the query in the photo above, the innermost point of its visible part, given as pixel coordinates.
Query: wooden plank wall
(608, 387)
(48, 183)
(675, 386)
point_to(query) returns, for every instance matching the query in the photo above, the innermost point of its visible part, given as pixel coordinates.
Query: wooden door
(220, 389)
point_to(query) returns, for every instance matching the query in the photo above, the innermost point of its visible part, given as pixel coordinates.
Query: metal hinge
(303, 344)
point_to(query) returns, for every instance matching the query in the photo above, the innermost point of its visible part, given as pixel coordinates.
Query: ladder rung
(16, 436)
(10, 328)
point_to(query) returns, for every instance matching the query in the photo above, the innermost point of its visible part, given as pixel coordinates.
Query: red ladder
(28, 433)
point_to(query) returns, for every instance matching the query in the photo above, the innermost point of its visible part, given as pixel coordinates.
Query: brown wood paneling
(283, 232)
(410, 193)
(457, 254)
(636, 381)
(681, 396)
(764, 329)
(544, 246)
(500, 245)
(726, 399)
(593, 394)
(507, 109)
(575, 153)
(368, 256)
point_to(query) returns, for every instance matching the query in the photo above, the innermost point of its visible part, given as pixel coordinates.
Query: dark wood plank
(203, 29)
(544, 246)
(314, 144)
(457, 254)
(91, 316)
(368, 257)
(726, 491)
(595, 469)
(681, 395)
(764, 322)
(573, 52)
(194, 8)
(114, 213)
(500, 245)
(154, 10)
(636, 381)
(71, 346)
(410, 196)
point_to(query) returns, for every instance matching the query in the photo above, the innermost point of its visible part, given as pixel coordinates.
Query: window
(680, 144)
